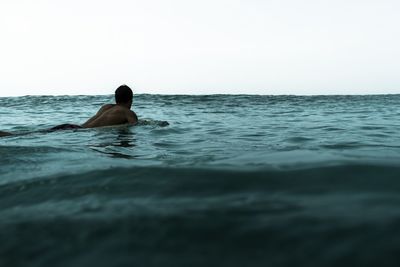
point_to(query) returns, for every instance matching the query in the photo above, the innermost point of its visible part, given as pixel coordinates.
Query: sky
(86, 47)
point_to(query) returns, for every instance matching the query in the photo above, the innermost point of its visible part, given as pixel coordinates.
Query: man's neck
(125, 105)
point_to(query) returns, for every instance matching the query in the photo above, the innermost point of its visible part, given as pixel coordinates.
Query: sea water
(233, 180)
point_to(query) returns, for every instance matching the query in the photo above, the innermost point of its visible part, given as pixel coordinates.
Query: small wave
(370, 127)
(149, 122)
(299, 139)
(26, 151)
(254, 217)
(205, 181)
(344, 145)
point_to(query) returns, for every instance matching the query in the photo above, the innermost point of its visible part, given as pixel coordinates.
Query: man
(115, 114)
(108, 115)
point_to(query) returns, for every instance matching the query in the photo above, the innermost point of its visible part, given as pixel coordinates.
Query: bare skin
(112, 114)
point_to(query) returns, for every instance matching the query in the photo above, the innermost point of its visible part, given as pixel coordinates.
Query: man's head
(123, 95)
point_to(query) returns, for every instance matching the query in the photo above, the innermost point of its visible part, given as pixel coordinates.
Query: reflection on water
(116, 143)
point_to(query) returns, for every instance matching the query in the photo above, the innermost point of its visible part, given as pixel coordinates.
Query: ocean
(233, 180)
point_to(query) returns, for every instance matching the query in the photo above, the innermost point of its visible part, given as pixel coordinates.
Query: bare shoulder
(131, 116)
(133, 113)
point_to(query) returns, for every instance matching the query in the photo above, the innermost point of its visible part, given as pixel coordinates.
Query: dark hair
(123, 94)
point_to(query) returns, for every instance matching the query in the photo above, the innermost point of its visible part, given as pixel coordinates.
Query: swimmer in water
(108, 115)
(115, 114)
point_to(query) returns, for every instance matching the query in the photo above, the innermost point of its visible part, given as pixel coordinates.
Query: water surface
(234, 180)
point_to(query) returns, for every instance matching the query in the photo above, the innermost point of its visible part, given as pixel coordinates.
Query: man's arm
(101, 111)
(131, 117)
(4, 134)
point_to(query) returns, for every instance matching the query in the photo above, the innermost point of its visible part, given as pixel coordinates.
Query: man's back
(111, 114)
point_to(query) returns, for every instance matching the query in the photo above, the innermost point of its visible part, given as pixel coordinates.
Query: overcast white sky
(199, 47)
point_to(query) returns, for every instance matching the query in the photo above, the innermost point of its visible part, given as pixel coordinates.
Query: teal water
(233, 180)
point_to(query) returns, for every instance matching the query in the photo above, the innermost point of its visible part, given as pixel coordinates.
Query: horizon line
(180, 94)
